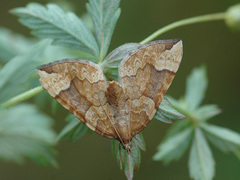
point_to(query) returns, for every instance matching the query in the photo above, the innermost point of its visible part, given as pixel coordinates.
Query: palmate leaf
(174, 147)
(24, 132)
(196, 88)
(224, 139)
(104, 14)
(19, 72)
(201, 162)
(65, 29)
(129, 162)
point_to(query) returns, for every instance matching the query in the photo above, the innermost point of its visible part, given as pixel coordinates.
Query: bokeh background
(212, 44)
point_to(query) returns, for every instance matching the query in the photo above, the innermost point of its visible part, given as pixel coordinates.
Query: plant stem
(183, 22)
(22, 97)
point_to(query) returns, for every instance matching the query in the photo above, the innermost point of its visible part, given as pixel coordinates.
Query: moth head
(128, 147)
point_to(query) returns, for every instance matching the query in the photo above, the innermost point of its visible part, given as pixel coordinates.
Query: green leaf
(168, 111)
(177, 104)
(174, 147)
(206, 112)
(128, 162)
(128, 166)
(54, 52)
(139, 141)
(224, 139)
(74, 130)
(55, 105)
(201, 162)
(111, 63)
(115, 57)
(159, 116)
(135, 155)
(12, 44)
(66, 29)
(19, 72)
(196, 88)
(178, 127)
(104, 14)
(24, 132)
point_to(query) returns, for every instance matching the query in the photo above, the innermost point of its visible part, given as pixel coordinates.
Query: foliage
(104, 14)
(12, 44)
(18, 72)
(129, 162)
(53, 23)
(65, 29)
(74, 130)
(24, 132)
(195, 130)
(112, 61)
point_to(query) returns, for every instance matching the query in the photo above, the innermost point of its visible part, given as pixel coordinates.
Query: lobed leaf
(224, 139)
(196, 88)
(74, 130)
(104, 14)
(128, 166)
(129, 162)
(174, 147)
(201, 162)
(24, 132)
(177, 104)
(168, 111)
(139, 141)
(66, 29)
(111, 63)
(12, 44)
(159, 116)
(206, 112)
(19, 72)
(178, 127)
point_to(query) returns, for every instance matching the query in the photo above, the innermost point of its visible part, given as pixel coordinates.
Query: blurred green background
(212, 44)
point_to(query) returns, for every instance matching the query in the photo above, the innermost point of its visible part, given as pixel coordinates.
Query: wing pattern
(112, 109)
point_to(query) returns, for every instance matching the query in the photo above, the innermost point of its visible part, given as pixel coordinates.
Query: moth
(116, 110)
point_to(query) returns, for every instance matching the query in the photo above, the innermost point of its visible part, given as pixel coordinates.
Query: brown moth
(116, 110)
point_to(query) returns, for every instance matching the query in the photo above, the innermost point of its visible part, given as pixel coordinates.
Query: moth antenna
(129, 121)
(113, 125)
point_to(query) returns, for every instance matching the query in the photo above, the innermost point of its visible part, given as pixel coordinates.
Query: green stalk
(183, 22)
(22, 97)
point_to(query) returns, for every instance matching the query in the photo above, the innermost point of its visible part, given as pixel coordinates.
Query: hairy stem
(22, 97)
(183, 22)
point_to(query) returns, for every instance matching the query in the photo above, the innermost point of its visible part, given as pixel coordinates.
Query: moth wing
(145, 76)
(80, 87)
